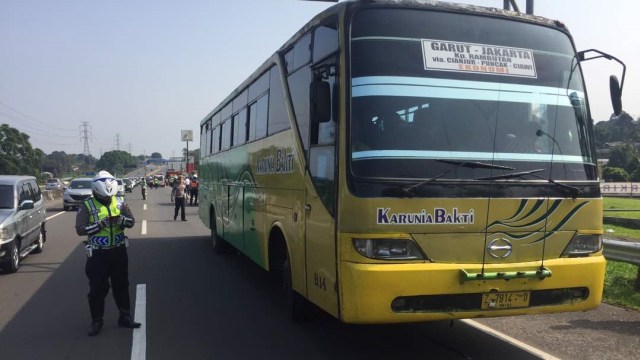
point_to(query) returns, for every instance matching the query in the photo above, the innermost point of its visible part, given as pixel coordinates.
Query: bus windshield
(426, 93)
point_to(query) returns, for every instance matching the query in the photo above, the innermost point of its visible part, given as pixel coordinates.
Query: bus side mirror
(320, 102)
(616, 95)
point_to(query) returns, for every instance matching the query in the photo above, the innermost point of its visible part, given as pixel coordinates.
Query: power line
(11, 120)
(27, 117)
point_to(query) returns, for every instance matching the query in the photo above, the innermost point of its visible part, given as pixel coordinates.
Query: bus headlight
(388, 249)
(583, 245)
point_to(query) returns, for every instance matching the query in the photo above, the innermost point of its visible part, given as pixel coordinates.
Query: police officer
(103, 219)
(144, 189)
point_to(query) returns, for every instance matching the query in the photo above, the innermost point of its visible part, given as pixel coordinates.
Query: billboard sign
(186, 135)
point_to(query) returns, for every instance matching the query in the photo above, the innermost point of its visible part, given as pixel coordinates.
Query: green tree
(114, 161)
(58, 163)
(624, 156)
(615, 174)
(84, 163)
(17, 156)
(156, 155)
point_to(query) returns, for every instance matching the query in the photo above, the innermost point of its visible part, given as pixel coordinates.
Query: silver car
(53, 184)
(22, 220)
(78, 191)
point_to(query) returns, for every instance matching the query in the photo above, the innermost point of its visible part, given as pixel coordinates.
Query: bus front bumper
(393, 293)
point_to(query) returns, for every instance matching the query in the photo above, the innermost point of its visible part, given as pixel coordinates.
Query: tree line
(618, 141)
(18, 157)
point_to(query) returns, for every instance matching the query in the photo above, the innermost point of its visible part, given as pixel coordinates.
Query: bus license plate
(505, 300)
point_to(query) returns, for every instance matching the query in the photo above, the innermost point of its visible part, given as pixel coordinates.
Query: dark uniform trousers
(194, 196)
(180, 202)
(105, 264)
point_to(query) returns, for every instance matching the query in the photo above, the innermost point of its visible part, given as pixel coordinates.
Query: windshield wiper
(510, 175)
(573, 191)
(456, 164)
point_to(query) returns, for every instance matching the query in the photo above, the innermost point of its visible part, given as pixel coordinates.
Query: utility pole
(118, 142)
(186, 135)
(85, 134)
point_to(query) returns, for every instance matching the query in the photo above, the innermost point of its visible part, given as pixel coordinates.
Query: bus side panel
(233, 231)
(255, 245)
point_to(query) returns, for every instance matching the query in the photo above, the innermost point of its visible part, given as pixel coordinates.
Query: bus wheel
(219, 245)
(297, 305)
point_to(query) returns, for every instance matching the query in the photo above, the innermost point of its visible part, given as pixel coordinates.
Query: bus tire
(297, 305)
(219, 245)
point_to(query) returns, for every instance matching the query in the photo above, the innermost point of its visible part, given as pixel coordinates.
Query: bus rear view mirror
(320, 101)
(616, 95)
(615, 87)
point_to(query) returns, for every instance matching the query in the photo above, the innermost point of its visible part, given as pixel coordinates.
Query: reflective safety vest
(112, 235)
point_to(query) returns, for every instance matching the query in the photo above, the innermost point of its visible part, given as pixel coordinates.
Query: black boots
(125, 321)
(95, 327)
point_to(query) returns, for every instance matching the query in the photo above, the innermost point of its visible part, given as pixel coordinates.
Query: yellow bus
(403, 161)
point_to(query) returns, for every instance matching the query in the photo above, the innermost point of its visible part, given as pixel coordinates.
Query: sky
(132, 74)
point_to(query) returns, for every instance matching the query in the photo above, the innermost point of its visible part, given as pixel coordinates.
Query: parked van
(22, 220)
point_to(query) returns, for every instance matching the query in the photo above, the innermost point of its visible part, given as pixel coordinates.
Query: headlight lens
(583, 245)
(388, 249)
(4, 233)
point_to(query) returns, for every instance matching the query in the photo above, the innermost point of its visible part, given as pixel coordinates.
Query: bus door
(320, 198)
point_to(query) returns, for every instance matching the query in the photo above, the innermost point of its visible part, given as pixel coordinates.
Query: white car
(53, 184)
(73, 196)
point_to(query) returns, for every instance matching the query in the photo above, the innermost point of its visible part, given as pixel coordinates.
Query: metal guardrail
(625, 251)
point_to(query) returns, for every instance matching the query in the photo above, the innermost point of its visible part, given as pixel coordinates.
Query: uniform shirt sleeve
(82, 220)
(126, 212)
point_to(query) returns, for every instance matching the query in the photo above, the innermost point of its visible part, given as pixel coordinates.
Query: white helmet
(104, 184)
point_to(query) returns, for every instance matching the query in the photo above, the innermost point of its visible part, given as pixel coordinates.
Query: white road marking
(139, 346)
(143, 231)
(54, 215)
(509, 339)
(144, 207)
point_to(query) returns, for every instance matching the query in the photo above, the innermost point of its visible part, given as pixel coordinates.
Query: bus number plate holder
(505, 300)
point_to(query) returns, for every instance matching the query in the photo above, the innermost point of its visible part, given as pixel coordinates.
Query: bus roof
(413, 4)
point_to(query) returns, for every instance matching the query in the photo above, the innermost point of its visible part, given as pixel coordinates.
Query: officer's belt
(98, 247)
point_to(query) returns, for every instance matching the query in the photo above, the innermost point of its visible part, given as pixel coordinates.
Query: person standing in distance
(103, 218)
(144, 189)
(187, 190)
(193, 190)
(178, 196)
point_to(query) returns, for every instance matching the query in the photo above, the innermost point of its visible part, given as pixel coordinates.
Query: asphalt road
(200, 305)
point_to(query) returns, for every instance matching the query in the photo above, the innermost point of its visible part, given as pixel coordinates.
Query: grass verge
(612, 203)
(620, 277)
(619, 282)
